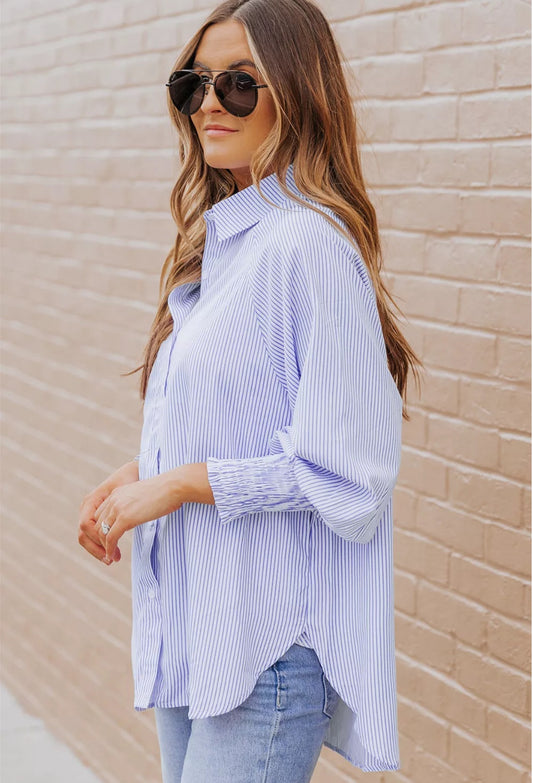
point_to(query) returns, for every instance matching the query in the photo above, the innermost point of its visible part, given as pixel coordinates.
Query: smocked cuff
(249, 486)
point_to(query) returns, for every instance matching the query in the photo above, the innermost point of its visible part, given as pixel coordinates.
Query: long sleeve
(340, 455)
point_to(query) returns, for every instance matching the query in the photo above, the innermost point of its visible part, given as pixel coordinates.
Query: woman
(273, 384)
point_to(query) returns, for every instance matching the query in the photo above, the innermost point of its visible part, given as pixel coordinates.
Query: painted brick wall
(443, 90)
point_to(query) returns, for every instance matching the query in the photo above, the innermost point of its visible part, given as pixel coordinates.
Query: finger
(94, 549)
(87, 500)
(89, 505)
(105, 520)
(116, 553)
(88, 530)
(86, 514)
(102, 538)
(111, 540)
(101, 510)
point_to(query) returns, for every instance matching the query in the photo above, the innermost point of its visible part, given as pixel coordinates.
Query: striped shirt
(276, 376)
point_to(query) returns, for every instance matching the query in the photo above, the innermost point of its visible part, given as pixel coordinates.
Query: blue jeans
(274, 736)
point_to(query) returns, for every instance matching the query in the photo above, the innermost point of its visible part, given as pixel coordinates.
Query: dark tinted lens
(236, 92)
(186, 91)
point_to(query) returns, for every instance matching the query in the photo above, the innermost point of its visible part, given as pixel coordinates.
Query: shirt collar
(245, 208)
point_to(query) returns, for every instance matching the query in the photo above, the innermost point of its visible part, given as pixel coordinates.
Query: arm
(237, 487)
(264, 483)
(341, 453)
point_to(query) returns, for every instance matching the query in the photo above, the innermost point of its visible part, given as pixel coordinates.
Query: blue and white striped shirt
(276, 376)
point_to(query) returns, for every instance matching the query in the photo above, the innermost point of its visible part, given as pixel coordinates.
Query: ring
(105, 528)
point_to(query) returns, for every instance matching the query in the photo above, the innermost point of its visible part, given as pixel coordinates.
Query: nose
(210, 102)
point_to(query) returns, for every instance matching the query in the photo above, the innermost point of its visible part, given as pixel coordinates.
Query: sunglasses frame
(207, 82)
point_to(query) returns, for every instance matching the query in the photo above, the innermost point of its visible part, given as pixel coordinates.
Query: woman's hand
(88, 535)
(133, 504)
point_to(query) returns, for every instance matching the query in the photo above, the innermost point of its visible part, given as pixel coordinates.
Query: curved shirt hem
(380, 766)
(364, 766)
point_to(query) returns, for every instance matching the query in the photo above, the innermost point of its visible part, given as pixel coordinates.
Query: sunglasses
(236, 91)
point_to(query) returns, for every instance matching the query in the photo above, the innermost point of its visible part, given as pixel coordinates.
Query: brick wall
(89, 161)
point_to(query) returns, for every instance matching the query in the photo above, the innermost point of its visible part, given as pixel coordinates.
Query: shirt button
(151, 593)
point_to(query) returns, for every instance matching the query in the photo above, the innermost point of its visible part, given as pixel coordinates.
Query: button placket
(181, 311)
(169, 361)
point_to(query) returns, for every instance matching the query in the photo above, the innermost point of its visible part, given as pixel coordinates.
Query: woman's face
(223, 46)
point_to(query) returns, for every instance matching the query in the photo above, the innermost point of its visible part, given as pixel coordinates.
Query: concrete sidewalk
(30, 754)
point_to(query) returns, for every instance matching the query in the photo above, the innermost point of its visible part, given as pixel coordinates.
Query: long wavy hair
(315, 128)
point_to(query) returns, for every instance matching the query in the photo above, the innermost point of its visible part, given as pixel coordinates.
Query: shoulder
(300, 240)
(294, 226)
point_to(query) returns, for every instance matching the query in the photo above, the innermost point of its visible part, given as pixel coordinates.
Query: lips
(219, 128)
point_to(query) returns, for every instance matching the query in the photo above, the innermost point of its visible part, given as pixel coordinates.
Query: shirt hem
(379, 767)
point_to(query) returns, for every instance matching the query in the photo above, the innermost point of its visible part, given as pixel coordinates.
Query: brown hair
(315, 129)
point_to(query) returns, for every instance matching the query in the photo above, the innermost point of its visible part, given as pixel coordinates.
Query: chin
(220, 160)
